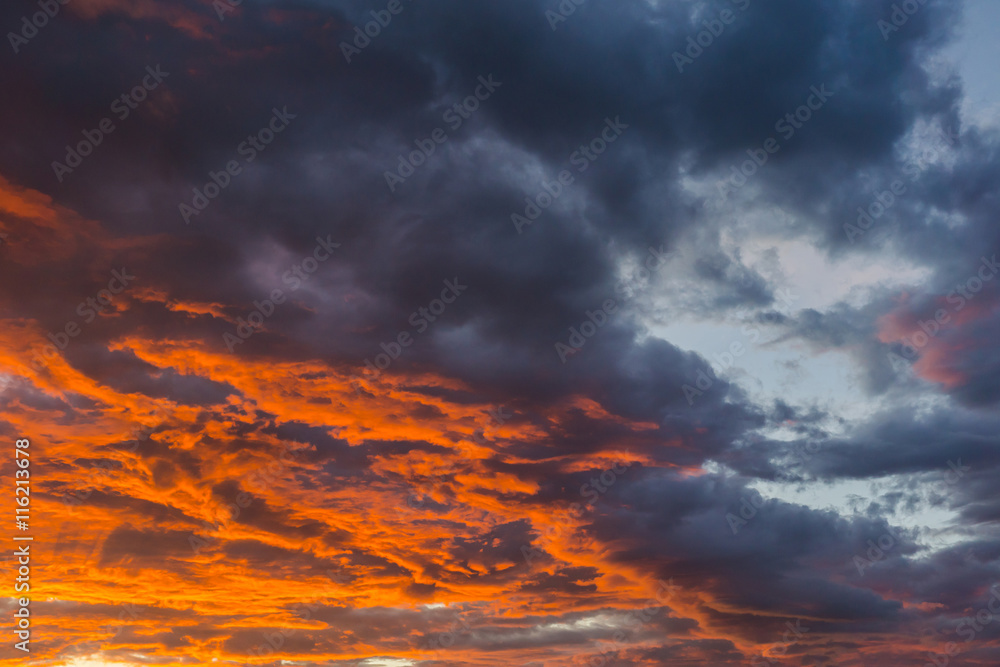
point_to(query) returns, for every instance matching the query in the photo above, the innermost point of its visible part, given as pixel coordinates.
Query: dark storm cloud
(500, 546)
(558, 88)
(136, 508)
(325, 171)
(568, 580)
(793, 548)
(260, 514)
(325, 448)
(130, 547)
(123, 371)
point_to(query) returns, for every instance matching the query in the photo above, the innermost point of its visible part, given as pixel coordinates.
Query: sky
(419, 333)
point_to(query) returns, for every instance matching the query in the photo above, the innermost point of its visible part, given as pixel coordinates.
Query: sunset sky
(544, 333)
